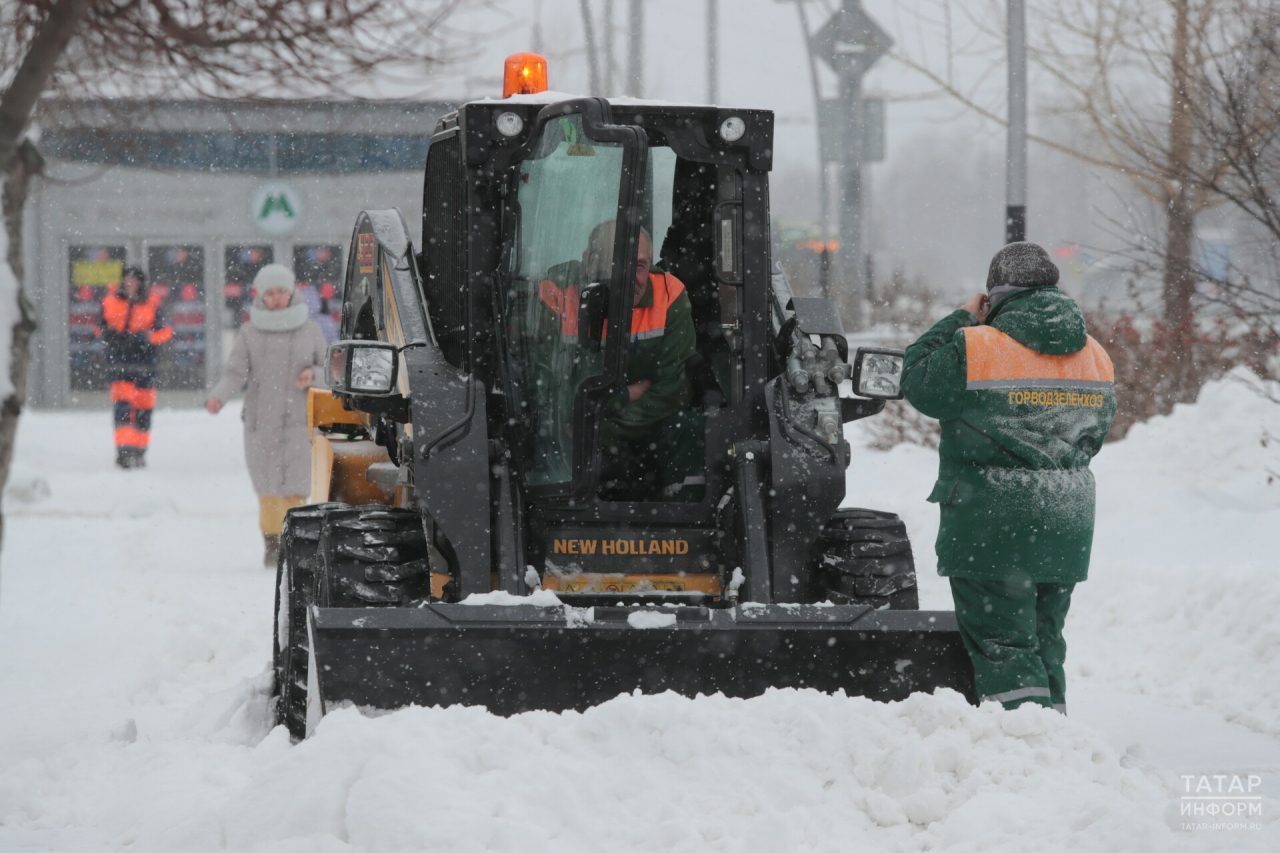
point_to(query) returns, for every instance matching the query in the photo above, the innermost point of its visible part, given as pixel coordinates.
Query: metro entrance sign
(275, 208)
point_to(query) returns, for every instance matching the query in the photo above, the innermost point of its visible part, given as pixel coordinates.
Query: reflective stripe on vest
(994, 360)
(1020, 693)
(647, 322)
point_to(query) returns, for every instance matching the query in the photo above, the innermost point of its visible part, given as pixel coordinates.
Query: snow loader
(466, 542)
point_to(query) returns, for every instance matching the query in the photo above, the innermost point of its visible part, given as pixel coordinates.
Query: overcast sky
(937, 201)
(762, 60)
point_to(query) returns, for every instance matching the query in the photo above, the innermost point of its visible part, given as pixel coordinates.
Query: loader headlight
(363, 367)
(509, 124)
(732, 128)
(877, 373)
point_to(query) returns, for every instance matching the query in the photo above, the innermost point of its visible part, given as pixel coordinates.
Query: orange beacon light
(525, 74)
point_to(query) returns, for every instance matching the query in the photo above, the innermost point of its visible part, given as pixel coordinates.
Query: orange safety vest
(993, 360)
(121, 315)
(648, 321)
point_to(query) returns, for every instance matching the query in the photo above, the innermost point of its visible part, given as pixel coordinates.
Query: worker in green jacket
(652, 438)
(1025, 398)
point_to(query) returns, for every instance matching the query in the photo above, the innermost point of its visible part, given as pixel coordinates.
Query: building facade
(201, 195)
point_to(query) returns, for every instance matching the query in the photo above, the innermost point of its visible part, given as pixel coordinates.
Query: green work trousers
(668, 463)
(1013, 632)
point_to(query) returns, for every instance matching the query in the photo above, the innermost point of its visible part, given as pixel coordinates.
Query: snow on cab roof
(551, 97)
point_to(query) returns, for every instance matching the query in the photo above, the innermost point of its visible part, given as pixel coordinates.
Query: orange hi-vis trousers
(133, 397)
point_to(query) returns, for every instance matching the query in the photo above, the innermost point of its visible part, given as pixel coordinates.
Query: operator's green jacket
(1025, 402)
(662, 341)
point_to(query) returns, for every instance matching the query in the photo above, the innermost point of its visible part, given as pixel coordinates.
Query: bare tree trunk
(635, 50)
(593, 63)
(1179, 279)
(33, 74)
(1179, 282)
(18, 162)
(16, 184)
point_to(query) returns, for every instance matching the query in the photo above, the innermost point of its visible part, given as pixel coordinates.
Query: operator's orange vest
(646, 322)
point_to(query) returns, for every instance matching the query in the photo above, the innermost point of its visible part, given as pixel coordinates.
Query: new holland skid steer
(471, 539)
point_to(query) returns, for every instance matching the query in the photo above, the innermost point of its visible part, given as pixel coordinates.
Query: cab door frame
(597, 123)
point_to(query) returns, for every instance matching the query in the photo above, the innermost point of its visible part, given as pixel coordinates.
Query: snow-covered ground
(135, 638)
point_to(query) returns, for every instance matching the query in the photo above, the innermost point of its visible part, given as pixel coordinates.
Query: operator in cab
(652, 438)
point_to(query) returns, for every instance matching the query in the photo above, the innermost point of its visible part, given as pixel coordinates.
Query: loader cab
(514, 334)
(695, 179)
(566, 333)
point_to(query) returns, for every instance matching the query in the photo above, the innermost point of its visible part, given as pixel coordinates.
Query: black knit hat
(1021, 265)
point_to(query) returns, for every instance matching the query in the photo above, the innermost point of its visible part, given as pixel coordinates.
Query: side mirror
(367, 368)
(877, 373)
(593, 310)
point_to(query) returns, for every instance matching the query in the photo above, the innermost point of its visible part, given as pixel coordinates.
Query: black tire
(296, 572)
(373, 556)
(864, 557)
(335, 555)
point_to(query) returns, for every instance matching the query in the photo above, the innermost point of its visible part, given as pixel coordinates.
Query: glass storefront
(93, 270)
(319, 271)
(177, 273)
(240, 264)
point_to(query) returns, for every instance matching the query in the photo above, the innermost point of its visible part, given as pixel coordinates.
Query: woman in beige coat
(277, 356)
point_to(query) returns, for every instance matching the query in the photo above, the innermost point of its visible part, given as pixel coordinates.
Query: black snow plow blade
(520, 658)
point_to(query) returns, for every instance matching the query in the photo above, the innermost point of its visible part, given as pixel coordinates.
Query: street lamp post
(850, 42)
(1015, 182)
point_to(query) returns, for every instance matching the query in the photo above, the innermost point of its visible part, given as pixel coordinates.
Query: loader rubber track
(334, 555)
(295, 583)
(373, 556)
(864, 557)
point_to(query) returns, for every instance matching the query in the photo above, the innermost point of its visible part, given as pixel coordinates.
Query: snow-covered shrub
(1157, 366)
(901, 423)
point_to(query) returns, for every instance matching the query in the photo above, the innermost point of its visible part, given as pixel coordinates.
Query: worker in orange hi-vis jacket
(128, 326)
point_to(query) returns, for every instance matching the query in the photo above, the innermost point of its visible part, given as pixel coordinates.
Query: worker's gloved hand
(978, 305)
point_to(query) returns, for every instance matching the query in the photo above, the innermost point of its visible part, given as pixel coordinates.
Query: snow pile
(1185, 584)
(645, 619)
(790, 770)
(135, 629)
(537, 598)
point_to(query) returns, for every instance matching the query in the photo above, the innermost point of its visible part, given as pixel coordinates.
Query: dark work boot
(123, 459)
(139, 457)
(271, 551)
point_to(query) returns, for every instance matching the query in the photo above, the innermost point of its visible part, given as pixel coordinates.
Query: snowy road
(134, 641)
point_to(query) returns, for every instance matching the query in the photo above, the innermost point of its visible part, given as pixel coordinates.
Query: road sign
(850, 42)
